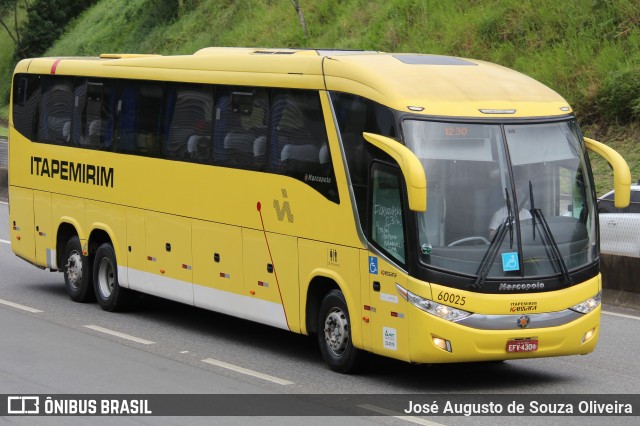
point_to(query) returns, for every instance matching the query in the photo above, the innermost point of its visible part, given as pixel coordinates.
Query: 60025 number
(456, 299)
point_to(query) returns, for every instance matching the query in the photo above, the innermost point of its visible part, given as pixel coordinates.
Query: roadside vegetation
(585, 50)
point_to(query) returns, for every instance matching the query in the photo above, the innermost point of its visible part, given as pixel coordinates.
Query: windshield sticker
(510, 262)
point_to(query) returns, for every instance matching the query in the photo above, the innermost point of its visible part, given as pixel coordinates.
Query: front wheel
(77, 272)
(334, 335)
(109, 294)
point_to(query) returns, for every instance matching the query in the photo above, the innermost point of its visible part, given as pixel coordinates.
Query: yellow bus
(426, 208)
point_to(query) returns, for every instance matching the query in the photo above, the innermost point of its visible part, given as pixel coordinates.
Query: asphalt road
(50, 345)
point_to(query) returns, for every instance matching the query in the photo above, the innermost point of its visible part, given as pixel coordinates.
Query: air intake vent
(277, 52)
(431, 60)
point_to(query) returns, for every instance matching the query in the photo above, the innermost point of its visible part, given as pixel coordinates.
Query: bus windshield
(504, 200)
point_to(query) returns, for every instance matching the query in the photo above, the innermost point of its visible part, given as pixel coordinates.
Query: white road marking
(5, 242)
(19, 306)
(615, 314)
(121, 335)
(247, 371)
(4, 202)
(386, 412)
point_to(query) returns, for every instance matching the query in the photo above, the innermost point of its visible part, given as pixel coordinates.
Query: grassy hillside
(586, 50)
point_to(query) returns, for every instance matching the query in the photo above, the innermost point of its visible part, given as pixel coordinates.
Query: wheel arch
(319, 287)
(321, 282)
(102, 233)
(66, 230)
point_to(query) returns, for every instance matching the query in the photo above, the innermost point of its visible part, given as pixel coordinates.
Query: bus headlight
(441, 311)
(588, 305)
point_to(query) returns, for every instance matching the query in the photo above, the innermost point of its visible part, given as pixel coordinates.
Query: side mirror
(409, 165)
(621, 173)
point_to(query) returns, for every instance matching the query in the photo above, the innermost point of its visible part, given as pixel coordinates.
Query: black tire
(334, 335)
(77, 272)
(111, 297)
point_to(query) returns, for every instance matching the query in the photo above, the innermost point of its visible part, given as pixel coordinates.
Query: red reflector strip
(223, 275)
(42, 234)
(367, 307)
(55, 66)
(263, 284)
(187, 267)
(151, 258)
(397, 314)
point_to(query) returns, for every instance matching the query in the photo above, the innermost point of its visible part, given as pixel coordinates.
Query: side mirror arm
(621, 173)
(409, 165)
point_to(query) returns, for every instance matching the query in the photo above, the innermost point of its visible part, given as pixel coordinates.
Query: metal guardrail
(4, 152)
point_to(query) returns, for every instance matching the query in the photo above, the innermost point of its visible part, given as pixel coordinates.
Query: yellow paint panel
(21, 226)
(70, 209)
(338, 264)
(217, 256)
(112, 219)
(168, 246)
(507, 304)
(389, 314)
(44, 234)
(281, 284)
(136, 247)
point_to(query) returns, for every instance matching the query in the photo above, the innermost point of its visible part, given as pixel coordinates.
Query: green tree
(303, 22)
(46, 21)
(12, 9)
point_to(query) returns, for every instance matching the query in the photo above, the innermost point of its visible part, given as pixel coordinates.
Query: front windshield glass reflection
(503, 208)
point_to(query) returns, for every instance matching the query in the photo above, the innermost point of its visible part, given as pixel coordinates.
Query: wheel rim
(336, 331)
(74, 269)
(106, 278)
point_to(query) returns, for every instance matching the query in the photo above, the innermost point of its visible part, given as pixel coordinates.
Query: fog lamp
(588, 335)
(443, 344)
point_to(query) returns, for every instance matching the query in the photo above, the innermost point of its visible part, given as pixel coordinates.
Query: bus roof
(420, 83)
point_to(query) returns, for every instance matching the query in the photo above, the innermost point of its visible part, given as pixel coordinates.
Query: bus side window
(241, 127)
(26, 97)
(56, 109)
(299, 145)
(356, 115)
(97, 113)
(78, 136)
(188, 123)
(387, 224)
(140, 117)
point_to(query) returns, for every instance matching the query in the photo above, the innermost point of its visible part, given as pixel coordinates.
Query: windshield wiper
(555, 256)
(494, 246)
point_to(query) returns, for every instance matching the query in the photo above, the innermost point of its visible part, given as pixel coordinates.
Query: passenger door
(389, 328)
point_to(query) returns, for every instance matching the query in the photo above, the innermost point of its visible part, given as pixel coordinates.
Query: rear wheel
(109, 294)
(77, 272)
(334, 335)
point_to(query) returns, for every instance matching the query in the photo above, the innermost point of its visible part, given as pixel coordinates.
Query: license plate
(522, 345)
